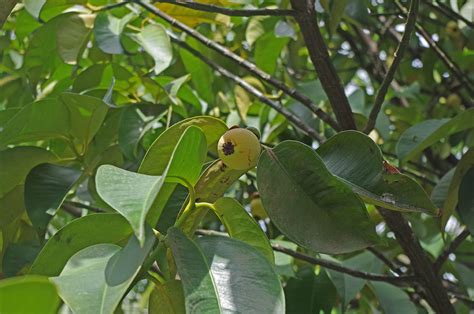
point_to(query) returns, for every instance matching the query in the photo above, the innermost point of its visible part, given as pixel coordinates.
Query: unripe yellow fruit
(453, 100)
(239, 149)
(256, 207)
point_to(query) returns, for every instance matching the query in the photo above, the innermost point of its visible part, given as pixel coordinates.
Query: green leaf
(440, 191)
(310, 293)
(348, 286)
(28, 294)
(77, 235)
(134, 194)
(46, 186)
(131, 129)
(241, 226)
(218, 275)
(337, 11)
(70, 117)
(466, 163)
(131, 194)
(422, 135)
(124, 265)
(268, 50)
(72, 36)
(466, 200)
(17, 162)
(308, 204)
(158, 155)
(167, 298)
(156, 42)
(393, 300)
(357, 161)
(107, 31)
(86, 271)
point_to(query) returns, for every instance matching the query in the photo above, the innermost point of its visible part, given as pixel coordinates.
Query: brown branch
(252, 68)
(391, 265)
(398, 56)
(450, 249)
(288, 114)
(85, 206)
(402, 281)
(424, 271)
(318, 52)
(226, 11)
(453, 67)
(5, 9)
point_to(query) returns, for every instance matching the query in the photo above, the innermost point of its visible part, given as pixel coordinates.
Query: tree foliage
(113, 197)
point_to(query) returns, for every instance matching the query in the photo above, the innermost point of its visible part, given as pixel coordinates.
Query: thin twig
(398, 56)
(319, 55)
(453, 67)
(249, 66)
(386, 261)
(85, 206)
(436, 295)
(288, 114)
(446, 10)
(402, 281)
(226, 11)
(450, 249)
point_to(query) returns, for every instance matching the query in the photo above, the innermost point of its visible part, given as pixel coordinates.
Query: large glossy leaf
(133, 194)
(212, 184)
(71, 37)
(241, 226)
(310, 293)
(107, 31)
(393, 300)
(159, 154)
(308, 204)
(85, 272)
(70, 117)
(77, 235)
(156, 42)
(17, 162)
(422, 135)
(28, 294)
(466, 200)
(357, 161)
(46, 186)
(167, 298)
(466, 163)
(218, 275)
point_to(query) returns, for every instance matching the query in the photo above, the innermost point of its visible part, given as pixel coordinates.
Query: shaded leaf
(46, 186)
(167, 298)
(466, 200)
(422, 135)
(72, 35)
(107, 31)
(308, 204)
(77, 235)
(393, 300)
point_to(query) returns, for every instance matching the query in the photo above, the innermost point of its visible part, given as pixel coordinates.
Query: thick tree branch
(5, 9)
(226, 11)
(318, 52)
(402, 281)
(252, 68)
(288, 114)
(454, 69)
(424, 271)
(398, 56)
(450, 249)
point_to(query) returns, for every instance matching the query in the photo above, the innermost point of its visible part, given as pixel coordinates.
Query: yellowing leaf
(192, 17)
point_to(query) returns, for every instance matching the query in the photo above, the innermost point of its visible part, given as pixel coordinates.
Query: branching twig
(435, 293)
(450, 249)
(455, 70)
(226, 11)
(398, 56)
(252, 68)
(386, 261)
(397, 281)
(292, 117)
(318, 52)
(446, 10)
